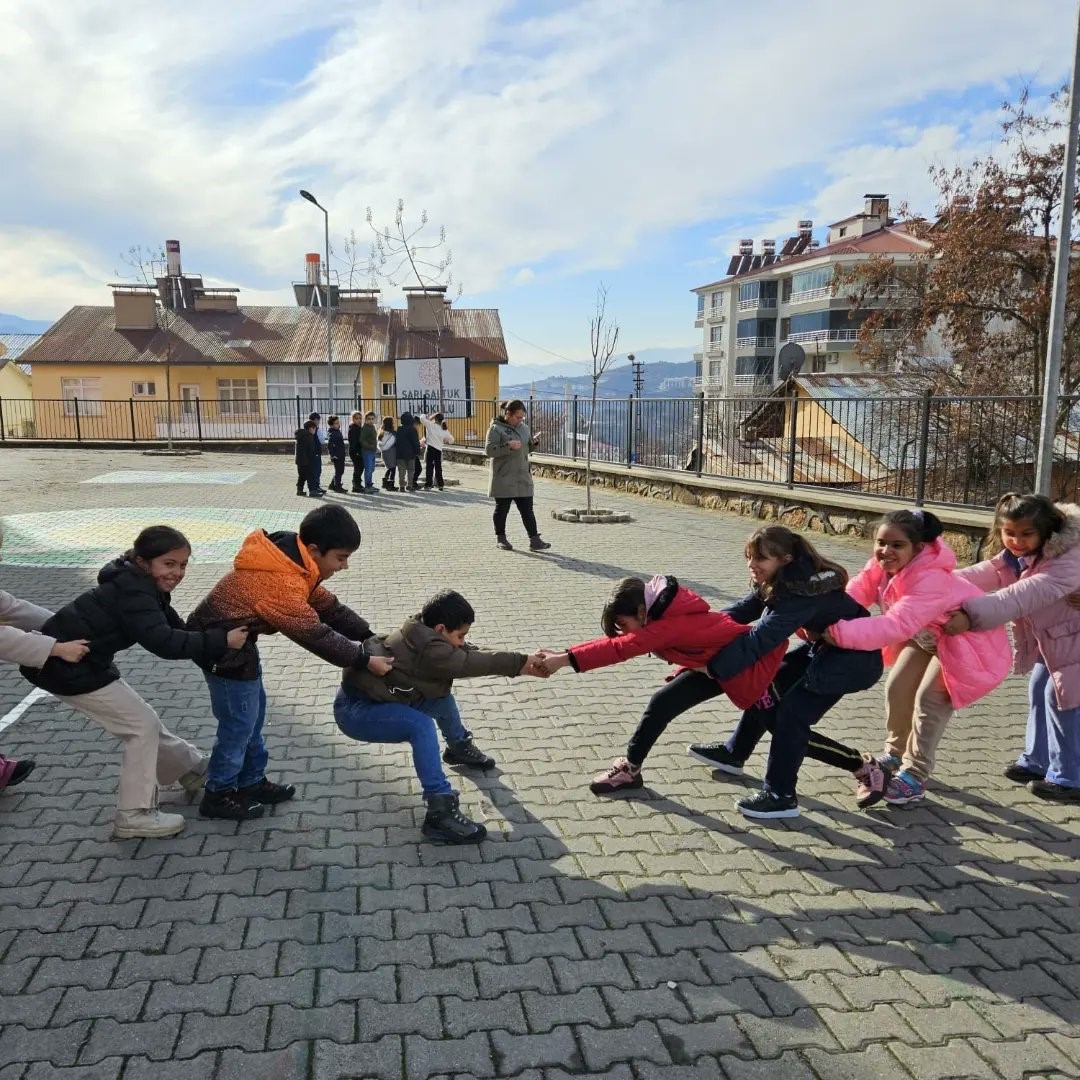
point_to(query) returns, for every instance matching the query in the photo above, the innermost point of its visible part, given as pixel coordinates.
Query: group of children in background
(940, 631)
(415, 441)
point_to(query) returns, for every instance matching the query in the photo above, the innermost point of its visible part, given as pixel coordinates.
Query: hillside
(618, 382)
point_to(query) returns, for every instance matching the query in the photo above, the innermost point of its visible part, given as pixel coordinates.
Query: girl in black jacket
(130, 605)
(793, 589)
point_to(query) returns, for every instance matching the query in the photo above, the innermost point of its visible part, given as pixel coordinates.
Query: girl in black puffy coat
(131, 605)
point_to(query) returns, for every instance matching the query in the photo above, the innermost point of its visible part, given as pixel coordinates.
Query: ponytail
(156, 540)
(919, 526)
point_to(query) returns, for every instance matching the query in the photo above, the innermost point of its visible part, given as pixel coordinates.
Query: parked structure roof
(12, 346)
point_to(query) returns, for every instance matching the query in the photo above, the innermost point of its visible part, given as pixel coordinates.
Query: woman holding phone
(509, 443)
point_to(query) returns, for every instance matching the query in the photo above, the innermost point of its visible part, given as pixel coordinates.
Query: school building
(178, 355)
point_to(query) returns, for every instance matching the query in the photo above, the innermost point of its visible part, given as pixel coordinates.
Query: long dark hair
(778, 542)
(1038, 509)
(919, 526)
(512, 406)
(156, 540)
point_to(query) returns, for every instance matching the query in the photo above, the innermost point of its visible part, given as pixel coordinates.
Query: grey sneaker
(146, 825)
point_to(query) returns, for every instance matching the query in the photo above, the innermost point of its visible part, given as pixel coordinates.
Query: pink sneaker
(904, 788)
(871, 778)
(622, 776)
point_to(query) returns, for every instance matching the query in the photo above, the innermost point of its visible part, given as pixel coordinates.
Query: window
(716, 335)
(287, 382)
(716, 369)
(717, 302)
(759, 367)
(843, 231)
(809, 280)
(88, 391)
(389, 389)
(238, 397)
(818, 364)
(143, 389)
(701, 305)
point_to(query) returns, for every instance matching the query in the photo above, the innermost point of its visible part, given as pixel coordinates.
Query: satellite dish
(791, 359)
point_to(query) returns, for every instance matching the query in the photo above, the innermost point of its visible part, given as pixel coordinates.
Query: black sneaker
(717, 756)
(267, 792)
(1019, 774)
(21, 771)
(446, 822)
(1045, 789)
(536, 543)
(766, 804)
(505, 544)
(466, 753)
(229, 805)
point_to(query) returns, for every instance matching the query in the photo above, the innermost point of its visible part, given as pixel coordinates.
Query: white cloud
(560, 142)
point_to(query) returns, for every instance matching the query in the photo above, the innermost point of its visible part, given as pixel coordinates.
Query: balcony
(699, 319)
(834, 337)
(807, 296)
(752, 385)
(881, 294)
(748, 343)
(715, 315)
(715, 348)
(758, 302)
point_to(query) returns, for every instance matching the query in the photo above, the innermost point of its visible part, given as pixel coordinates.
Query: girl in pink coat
(1030, 584)
(910, 576)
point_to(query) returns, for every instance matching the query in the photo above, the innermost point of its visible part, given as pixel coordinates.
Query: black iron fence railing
(918, 448)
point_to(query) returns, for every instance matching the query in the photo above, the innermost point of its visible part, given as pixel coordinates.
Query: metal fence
(918, 448)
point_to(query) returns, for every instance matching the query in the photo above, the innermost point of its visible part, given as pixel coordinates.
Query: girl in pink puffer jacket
(931, 675)
(1029, 584)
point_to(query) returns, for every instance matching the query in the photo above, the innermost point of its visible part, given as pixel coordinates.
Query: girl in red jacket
(665, 618)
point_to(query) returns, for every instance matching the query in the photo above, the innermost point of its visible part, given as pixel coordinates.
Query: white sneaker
(193, 782)
(146, 824)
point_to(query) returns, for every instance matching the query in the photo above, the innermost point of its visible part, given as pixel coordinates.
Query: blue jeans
(1052, 745)
(238, 759)
(369, 466)
(388, 722)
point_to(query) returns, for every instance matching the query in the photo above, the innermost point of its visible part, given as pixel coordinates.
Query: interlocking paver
(945, 930)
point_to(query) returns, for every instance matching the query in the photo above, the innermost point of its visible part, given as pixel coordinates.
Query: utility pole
(1062, 261)
(638, 368)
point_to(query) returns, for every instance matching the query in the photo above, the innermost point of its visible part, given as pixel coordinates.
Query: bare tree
(401, 255)
(148, 264)
(603, 338)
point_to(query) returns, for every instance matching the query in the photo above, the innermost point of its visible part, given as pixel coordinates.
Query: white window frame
(389, 390)
(144, 388)
(228, 404)
(88, 390)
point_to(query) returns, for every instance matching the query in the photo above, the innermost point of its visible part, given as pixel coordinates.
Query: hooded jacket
(407, 440)
(802, 598)
(306, 447)
(425, 665)
(19, 642)
(1032, 597)
(125, 608)
(920, 597)
(274, 587)
(335, 444)
(511, 477)
(681, 629)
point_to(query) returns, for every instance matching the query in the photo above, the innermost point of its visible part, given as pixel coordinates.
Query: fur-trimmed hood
(1068, 536)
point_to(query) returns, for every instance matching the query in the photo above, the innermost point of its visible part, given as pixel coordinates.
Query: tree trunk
(588, 451)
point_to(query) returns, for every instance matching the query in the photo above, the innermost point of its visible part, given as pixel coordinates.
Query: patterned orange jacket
(274, 586)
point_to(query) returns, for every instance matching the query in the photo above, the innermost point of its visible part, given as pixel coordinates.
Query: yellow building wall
(16, 408)
(117, 415)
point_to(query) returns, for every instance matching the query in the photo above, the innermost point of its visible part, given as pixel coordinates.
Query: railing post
(792, 440)
(299, 421)
(573, 430)
(3, 430)
(630, 431)
(131, 409)
(78, 424)
(198, 418)
(701, 432)
(924, 444)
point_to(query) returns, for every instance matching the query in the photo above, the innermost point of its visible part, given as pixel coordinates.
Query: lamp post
(329, 311)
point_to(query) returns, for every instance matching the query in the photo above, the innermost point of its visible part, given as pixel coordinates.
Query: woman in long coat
(509, 443)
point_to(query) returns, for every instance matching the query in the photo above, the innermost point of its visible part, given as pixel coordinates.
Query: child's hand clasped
(535, 666)
(958, 623)
(71, 651)
(237, 637)
(380, 665)
(552, 661)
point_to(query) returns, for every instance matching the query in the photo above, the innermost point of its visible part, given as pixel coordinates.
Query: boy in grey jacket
(20, 643)
(429, 653)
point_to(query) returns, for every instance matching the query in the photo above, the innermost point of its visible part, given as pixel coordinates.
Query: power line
(532, 344)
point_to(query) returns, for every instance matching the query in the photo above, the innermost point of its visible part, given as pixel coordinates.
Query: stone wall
(835, 513)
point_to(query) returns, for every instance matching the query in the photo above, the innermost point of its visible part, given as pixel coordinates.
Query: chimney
(134, 306)
(877, 206)
(427, 307)
(172, 258)
(359, 301)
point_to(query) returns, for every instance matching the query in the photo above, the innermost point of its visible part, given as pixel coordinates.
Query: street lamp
(329, 328)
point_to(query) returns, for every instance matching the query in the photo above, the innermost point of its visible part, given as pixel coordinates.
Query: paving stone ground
(659, 935)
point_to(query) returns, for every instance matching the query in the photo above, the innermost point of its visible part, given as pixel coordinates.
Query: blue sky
(560, 143)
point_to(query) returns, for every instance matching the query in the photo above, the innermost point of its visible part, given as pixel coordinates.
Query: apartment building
(770, 298)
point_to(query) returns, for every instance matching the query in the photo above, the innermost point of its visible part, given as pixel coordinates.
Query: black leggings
(525, 509)
(687, 689)
(791, 720)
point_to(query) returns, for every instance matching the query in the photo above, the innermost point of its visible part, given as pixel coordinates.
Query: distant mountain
(617, 382)
(13, 324)
(518, 375)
